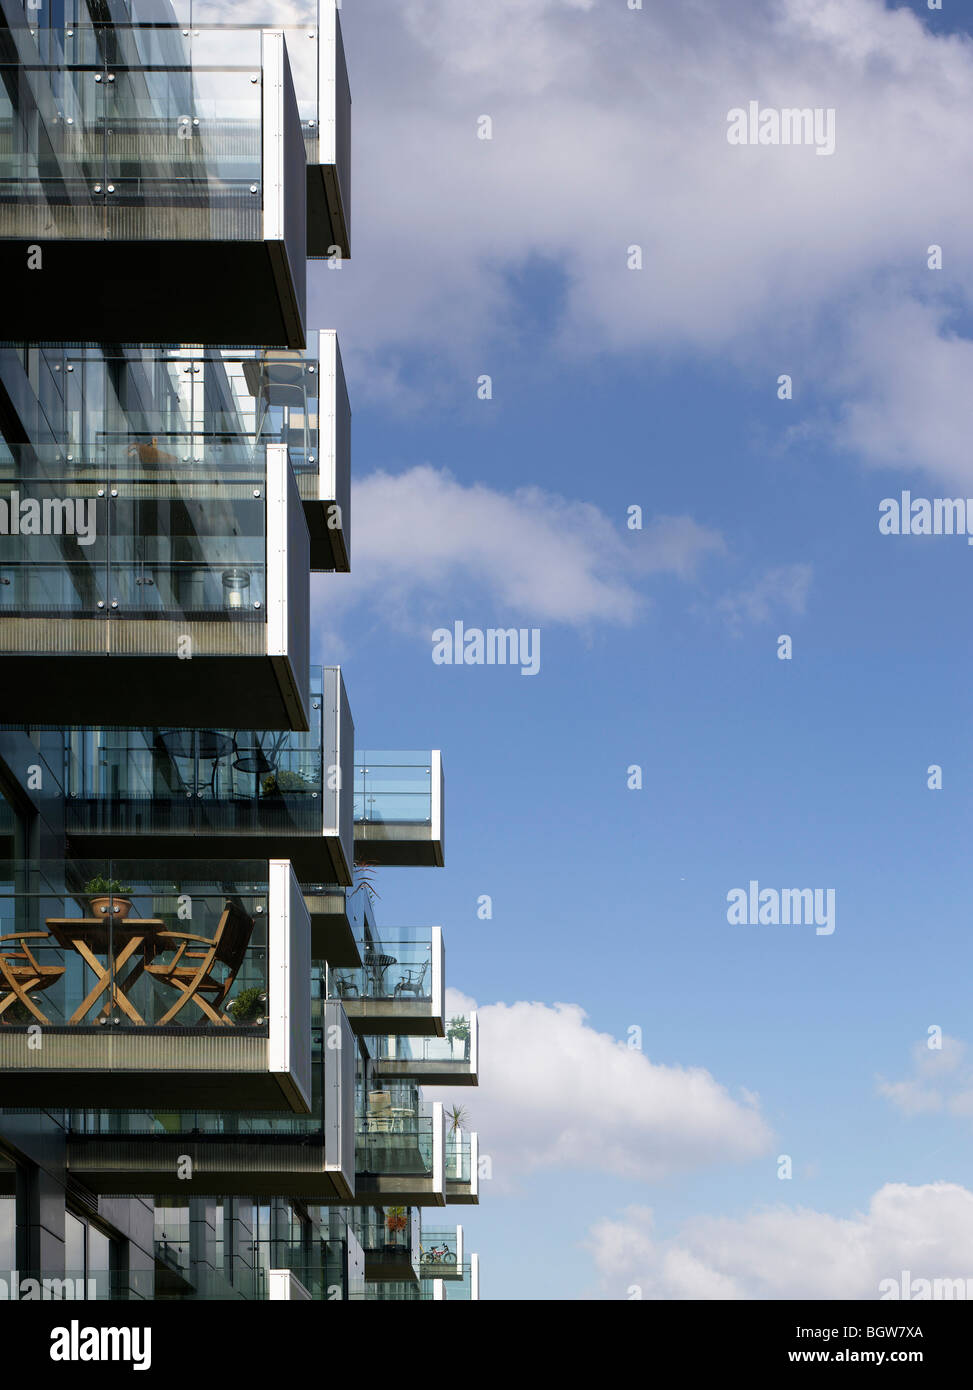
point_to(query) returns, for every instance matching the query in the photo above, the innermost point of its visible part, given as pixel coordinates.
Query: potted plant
(18, 1012)
(249, 1006)
(458, 1034)
(396, 1221)
(105, 900)
(283, 780)
(456, 1117)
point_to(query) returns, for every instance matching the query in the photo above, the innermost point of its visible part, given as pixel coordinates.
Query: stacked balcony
(398, 988)
(449, 1061)
(441, 1252)
(400, 1150)
(399, 808)
(383, 1155)
(197, 149)
(162, 508)
(249, 1153)
(203, 793)
(193, 981)
(391, 1241)
(462, 1168)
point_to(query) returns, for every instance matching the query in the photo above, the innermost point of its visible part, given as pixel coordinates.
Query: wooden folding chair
(21, 973)
(190, 970)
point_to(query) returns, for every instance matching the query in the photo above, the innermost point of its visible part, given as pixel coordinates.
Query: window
(8, 1218)
(90, 1257)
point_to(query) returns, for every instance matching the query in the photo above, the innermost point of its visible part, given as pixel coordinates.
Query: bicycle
(438, 1254)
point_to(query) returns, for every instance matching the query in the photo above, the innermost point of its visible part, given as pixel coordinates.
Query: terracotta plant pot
(117, 909)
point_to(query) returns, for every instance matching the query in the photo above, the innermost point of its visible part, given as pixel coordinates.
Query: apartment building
(212, 1056)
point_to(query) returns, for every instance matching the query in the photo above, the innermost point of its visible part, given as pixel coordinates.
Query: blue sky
(611, 388)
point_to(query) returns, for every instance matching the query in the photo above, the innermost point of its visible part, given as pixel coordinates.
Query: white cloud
(554, 1093)
(906, 376)
(941, 1081)
(778, 592)
(792, 1252)
(610, 129)
(424, 544)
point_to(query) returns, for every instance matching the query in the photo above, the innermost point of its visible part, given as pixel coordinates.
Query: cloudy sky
(672, 1104)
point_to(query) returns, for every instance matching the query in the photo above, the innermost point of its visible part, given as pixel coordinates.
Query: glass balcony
(203, 416)
(121, 577)
(462, 1168)
(234, 1152)
(465, 1287)
(202, 793)
(159, 974)
(399, 808)
(449, 1061)
(399, 1147)
(399, 986)
(397, 1152)
(441, 1252)
(132, 139)
(390, 1239)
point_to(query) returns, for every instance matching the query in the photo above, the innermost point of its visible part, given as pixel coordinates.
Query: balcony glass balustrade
(458, 1156)
(396, 1134)
(161, 131)
(200, 793)
(389, 1237)
(103, 533)
(399, 985)
(464, 1286)
(441, 1252)
(91, 945)
(397, 1152)
(158, 974)
(449, 1061)
(117, 553)
(399, 807)
(186, 425)
(462, 1159)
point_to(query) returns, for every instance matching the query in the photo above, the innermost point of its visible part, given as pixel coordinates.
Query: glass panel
(148, 128)
(53, 539)
(398, 967)
(90, 944)
(454, 1047)
(438, 1252)
(393, 788)
(80, 536)
(177, 782)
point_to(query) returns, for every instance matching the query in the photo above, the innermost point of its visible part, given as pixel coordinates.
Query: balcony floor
(207, 292)
(196, 1069)
(102, 691)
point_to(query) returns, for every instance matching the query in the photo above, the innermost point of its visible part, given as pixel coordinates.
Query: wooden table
(92, 937)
